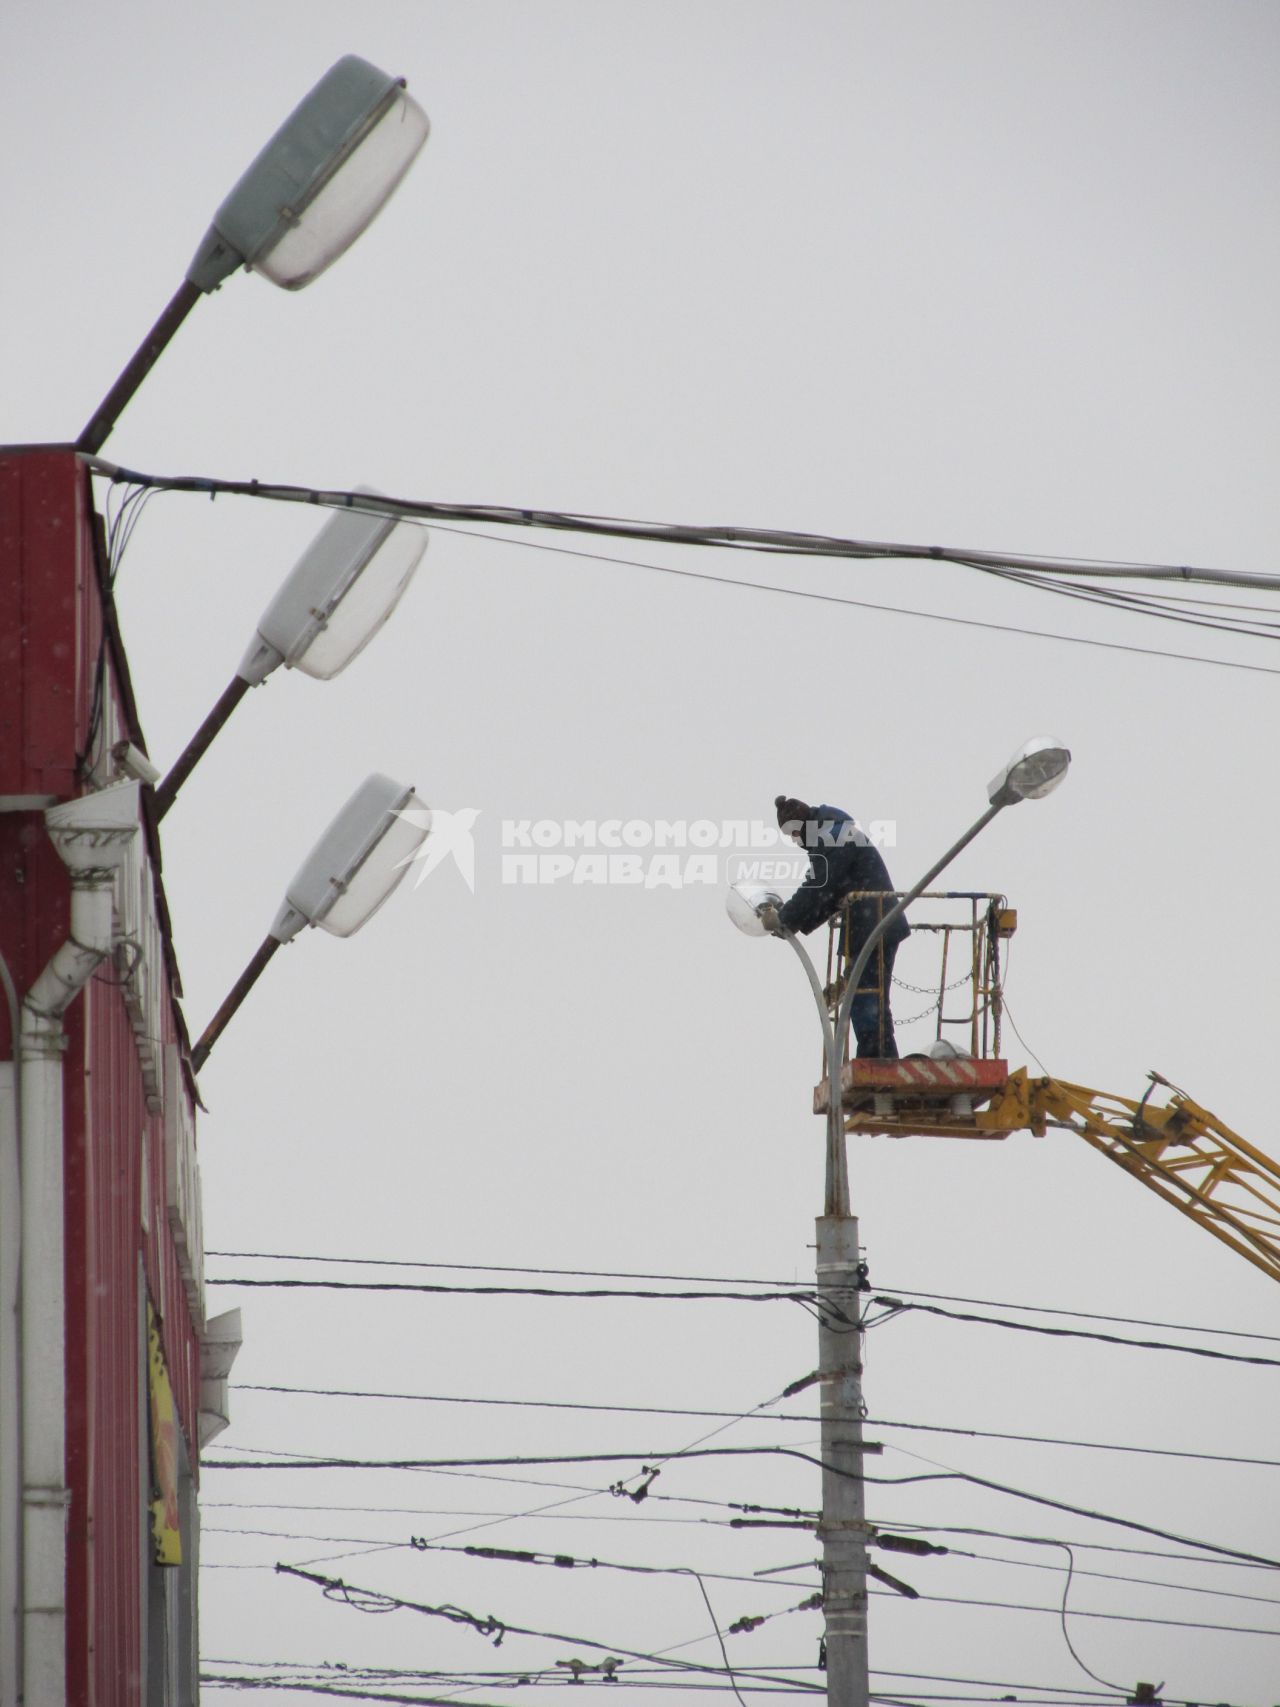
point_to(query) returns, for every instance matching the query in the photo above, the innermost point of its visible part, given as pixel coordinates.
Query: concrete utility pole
(843, 1527)
(1035, 770)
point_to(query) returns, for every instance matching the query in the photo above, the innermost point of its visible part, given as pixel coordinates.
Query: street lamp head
(332, 603)
(314, 188)
(318, 183)
(743, 904)
(1035, 770)
(358, 861)
(337, 596)
(344, 880)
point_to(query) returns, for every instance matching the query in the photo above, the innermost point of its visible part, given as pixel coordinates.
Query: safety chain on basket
(928, 989)
(912, 1018)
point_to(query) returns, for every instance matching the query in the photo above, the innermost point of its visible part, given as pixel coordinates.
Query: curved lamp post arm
(820, 1001)
(837, 1173)
(837, 1166)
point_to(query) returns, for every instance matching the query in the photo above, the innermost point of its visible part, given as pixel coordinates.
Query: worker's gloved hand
(768, 916)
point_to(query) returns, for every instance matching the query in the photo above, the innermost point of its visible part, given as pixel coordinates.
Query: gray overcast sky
(994, 274)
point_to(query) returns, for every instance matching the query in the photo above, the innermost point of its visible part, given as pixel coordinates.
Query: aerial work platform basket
(953, 1082)
(938, 1084)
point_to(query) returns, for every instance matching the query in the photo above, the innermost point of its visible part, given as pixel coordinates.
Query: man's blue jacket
(842, 861)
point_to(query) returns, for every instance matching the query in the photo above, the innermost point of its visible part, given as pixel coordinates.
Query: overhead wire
(353, 1693)
(539, 1557)
(639, 1676)
(1062, 1615)
(790, 542)
(807, 1298)
(649, 1472)
(914, 1526)
(897, 1308)
(119, 521)
(758, 1416)
(374, 1601)
(547, 1559)
(1109, 1617)
(316, 1463)
(770, 541)
(449, 1511)
(865, 604)
(493, 1675)
(1111, 1576)
(471, 1475)
(730, 1280)
(490, 1627)
(1137, 604)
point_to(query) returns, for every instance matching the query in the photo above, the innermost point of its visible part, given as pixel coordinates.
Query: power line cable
(377, 1602)
(912, 1526)
(1109, 1617)
(453, 1512)
(809, 1299)
(730, 1280)
(945, 1475)
(637, 1676)
(897, 1307)
(529, 1556)
(471, 1475)
(806, 1519)
(210, 1680)
(485, 1676)
(866, 604)
(1111, 1576)
(806, 1297)
(1136, 604)
(756, 1416)
(505, 1268)
(495, 1629)
(648, 1474)
(353, 1693)
(776, 542)
(562, 1561)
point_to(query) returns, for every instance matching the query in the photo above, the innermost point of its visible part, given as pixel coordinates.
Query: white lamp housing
(318, 183)
(1035, 770)
(358, 861)
(337, 596)
(743, 903)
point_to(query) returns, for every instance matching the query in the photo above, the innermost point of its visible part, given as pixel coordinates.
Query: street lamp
(340, 885)
(329, 607)
(744, 904)
(317, 184)
(1035, 770)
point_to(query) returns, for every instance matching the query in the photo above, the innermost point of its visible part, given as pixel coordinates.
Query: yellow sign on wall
(166, 1535)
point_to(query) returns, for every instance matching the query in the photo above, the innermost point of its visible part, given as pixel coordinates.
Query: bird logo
(447, 833)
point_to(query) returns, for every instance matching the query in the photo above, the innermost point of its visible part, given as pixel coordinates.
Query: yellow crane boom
(1175, 1148)
(963, 1088)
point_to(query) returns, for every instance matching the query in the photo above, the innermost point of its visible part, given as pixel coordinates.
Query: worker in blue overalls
(842, 861)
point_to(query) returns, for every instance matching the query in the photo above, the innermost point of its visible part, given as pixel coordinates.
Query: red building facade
(101, 1261)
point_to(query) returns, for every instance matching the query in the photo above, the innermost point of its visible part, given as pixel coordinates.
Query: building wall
(64, 689)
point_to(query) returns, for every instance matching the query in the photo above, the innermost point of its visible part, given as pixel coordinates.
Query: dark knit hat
(791, 811)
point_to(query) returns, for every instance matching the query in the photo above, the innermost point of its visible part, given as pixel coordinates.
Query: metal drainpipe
(43, 1289)
(10, 1363)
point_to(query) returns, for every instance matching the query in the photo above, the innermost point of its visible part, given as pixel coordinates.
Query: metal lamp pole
(1034, 771)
